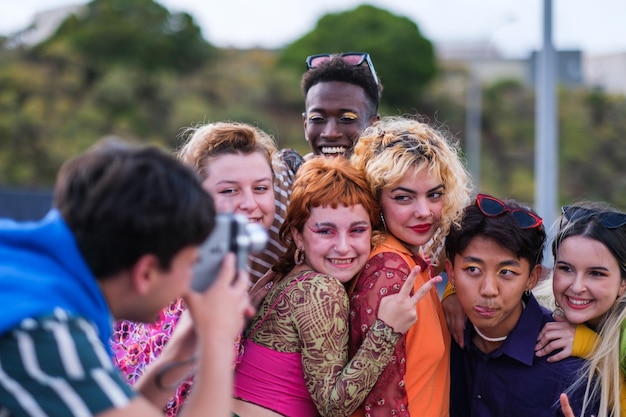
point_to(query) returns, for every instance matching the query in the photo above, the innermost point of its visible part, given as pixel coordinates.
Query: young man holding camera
(120, 243)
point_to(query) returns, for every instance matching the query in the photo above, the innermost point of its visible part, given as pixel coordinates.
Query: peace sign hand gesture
(398, 310)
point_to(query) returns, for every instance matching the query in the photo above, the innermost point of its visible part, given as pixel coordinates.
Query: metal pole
(546, 155)
(473, 125)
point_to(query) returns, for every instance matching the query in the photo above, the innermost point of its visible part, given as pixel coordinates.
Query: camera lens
(257, 236)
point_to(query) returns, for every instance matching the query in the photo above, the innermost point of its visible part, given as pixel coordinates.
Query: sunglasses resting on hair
(352, 58)
(492, 207)
(608, 219)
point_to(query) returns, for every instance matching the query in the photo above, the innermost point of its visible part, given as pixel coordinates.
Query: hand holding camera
(232, 233)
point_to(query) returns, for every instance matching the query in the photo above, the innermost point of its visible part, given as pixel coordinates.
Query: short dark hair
(524, 243)
(335, 69)
(124, 201)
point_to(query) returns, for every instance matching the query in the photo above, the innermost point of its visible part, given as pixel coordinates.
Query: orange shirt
(420, 369)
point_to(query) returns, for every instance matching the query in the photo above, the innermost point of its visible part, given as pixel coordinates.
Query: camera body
(232, 233)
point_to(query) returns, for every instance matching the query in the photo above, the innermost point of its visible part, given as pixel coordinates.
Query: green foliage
(115, 70)
(133, 33)
(591, 143)
(404, 59)
(508, 136)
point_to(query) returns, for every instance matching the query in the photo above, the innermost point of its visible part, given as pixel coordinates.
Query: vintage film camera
(232, 233)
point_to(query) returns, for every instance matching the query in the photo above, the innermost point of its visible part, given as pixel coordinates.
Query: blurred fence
(24, 204)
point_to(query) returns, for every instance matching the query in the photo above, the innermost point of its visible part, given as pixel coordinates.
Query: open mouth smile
(341, 262)
(577, 303)
(333, 150)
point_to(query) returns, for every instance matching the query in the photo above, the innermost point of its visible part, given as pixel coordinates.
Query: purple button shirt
(511, 381)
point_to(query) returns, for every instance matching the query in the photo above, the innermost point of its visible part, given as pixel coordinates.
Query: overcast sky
(513, 26)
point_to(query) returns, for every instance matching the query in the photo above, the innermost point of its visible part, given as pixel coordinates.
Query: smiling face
(412, 207)
(336, 242)
(336, 114)
(586, 280)
(490, 281)
(242, 184)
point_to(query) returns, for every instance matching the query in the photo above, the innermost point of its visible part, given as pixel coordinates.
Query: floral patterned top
(135, 345)
(417, 381)
(312, 319)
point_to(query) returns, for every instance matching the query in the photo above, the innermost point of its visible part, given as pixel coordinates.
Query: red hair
(323, 182)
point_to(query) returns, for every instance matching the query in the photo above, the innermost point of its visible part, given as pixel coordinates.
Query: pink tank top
(274, 380)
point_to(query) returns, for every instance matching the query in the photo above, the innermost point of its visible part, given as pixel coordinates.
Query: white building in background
(44, 24)
(575, 68)
(483, 60)
(606, 72)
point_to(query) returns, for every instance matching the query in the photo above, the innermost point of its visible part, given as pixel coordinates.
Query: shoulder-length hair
(323, 182)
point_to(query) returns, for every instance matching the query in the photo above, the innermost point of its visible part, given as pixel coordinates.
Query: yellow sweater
(584, 343)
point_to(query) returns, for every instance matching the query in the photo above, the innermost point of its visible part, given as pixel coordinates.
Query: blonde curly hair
(394, 144)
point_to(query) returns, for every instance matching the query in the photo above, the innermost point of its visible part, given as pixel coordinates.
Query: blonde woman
(417, 176)
(589, 284)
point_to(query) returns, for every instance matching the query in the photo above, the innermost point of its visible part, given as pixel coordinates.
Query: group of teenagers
(340, 314)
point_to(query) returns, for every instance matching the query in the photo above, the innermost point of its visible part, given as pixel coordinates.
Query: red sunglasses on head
(352, 58)
(492, 207)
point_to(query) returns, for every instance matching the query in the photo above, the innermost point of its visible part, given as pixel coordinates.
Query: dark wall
(24, 205)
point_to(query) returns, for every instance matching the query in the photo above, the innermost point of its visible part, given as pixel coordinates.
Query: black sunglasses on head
(492, 207)
(352, 58)
(608, 219)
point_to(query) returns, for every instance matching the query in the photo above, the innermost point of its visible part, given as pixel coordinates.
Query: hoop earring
(298, 256)
(527, 293)
(558, 312)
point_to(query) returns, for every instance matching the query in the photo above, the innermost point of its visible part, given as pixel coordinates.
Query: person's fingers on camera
(226, 303)
(220, 292)
(241, 281)
(241, 285)
(234, 285)
(228, 271)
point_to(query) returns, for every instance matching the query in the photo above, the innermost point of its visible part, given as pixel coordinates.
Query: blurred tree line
(132, 69)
